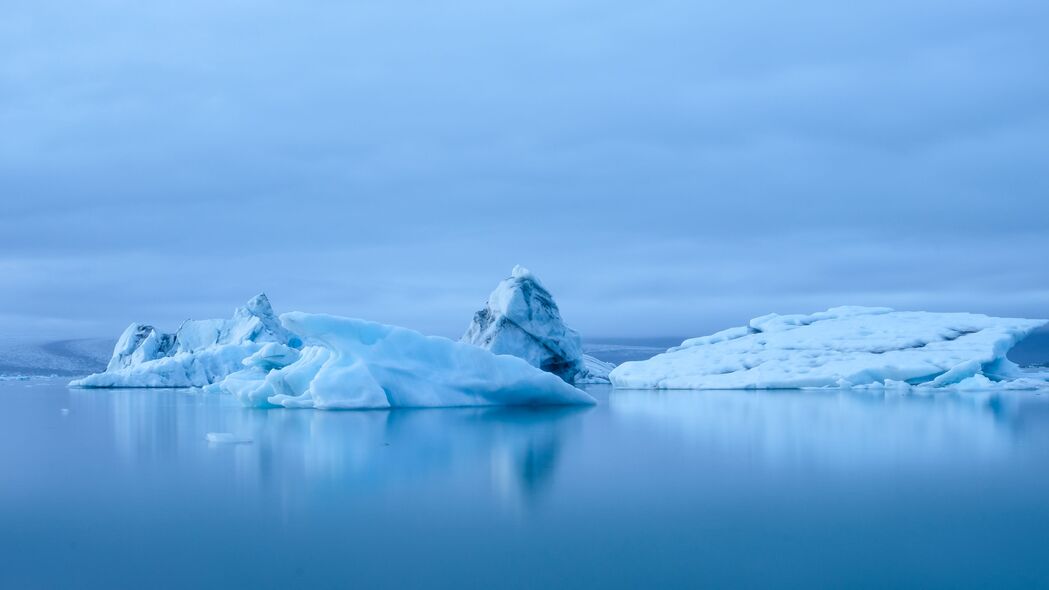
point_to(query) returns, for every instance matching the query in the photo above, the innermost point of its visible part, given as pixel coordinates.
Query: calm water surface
(646, 490)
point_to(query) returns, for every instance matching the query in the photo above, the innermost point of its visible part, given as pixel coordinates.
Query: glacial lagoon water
(121, 488)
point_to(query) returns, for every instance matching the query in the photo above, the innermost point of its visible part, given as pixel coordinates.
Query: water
(653, 490)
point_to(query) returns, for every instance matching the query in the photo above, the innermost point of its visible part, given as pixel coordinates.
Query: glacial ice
(316, 361)
(199, 353)
(595, 371)
(845, 347)
(521, 319)
(349, 363)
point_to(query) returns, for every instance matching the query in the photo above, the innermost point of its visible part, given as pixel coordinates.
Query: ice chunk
(348, 363)
(843, 347)
(227, 438)
(256, 322)
(522, 319)
(139, 343)
(594, 371)
(199, 353)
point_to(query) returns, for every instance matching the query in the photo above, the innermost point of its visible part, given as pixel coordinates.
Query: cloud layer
(667, 169)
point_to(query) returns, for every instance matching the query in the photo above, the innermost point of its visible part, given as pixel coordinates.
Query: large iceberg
(349, 363)
(318, 361)
(198, 354)
(521, 319)
(844, 347)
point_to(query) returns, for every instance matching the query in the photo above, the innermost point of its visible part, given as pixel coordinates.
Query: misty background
(666, 168)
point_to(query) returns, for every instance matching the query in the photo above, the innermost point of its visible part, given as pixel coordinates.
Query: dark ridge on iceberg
(522, 319)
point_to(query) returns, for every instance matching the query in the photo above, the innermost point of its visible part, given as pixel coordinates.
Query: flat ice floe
(349, 363)
(845, 347)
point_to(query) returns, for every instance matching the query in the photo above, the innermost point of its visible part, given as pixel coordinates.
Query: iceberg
(521, 319)
(845, 347)
(318, 361)
(199, 353)
(347, 363)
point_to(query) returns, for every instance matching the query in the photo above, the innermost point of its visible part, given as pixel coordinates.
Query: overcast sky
(667, 168)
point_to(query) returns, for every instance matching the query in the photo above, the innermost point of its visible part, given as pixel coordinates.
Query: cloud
(665, 166)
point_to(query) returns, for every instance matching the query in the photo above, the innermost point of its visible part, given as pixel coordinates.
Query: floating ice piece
(227, 438)
(595, 371)
(844, 347)
(199, 353)
(522, 319)
(354, 364)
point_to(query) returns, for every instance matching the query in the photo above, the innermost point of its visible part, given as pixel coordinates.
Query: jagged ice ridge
(199, 353)
(522, 319)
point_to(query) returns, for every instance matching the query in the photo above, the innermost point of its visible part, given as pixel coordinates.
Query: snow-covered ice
(521, 319)
(348, 363)
(199, 353)
(845, 347)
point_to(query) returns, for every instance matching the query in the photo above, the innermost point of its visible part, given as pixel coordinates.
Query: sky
(668, 168)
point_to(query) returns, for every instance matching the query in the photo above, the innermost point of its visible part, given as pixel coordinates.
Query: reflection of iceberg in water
(524, 461)
(521, 445)
(837, 428)
(148, 425)
(292, 450)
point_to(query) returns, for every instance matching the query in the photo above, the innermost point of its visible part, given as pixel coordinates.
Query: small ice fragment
(64, 411)
(227, 438)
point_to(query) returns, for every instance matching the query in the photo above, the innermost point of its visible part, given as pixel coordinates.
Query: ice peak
(259, 305)
(197, 354)
(522, 319)
(520, 273)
